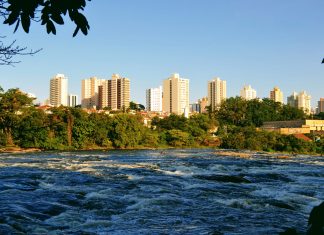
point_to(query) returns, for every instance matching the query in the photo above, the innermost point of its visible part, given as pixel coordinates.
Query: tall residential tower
(175, 95)
(276, 95)
(216, 93)
(154, 99)
(89, 92)
(248, 93)
(59, 90)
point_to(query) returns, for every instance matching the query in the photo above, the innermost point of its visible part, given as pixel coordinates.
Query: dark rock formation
(224, 178)
(316, 221)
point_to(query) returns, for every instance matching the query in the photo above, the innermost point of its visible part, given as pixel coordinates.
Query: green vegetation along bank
(233, 126)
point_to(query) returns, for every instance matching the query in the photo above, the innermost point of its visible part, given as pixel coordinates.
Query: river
(189, 191)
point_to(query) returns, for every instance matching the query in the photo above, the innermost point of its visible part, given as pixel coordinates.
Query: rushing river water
(152, 192)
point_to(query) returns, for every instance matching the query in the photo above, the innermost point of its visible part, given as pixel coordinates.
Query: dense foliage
(23, 125)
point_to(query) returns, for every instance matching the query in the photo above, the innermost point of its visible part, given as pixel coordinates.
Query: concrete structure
(194, 108)
(301, 101)
(154, 99)
(175, 95)
(114, 93)
(320, 107)
(59, 90)
(216, 93)
(203, 102)
(276, 95)
(292, 100)
(294, 127)
(73, 100)
(89, 92)
(248, 93)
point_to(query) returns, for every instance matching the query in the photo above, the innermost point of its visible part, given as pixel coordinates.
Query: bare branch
(8, 52)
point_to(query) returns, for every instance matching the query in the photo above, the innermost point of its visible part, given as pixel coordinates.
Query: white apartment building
(248, 93)
(89, 92)
(154, 99)
(216, 93)
(59, 90)
(175, 95)
(276, 95)
(73, 100)
(300, 100)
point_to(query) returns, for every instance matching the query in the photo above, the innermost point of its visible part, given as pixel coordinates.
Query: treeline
(62, 128)
(239, 120)
(232, 126)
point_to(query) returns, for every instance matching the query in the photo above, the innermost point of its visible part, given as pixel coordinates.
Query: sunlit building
(73, 100)
(301, 101)
(276, 95)
(216, 93)
(114, 93)
(59, 90)
(320, 107)
(154, 99)
(176, 95)
(248, 93)
(89, 92)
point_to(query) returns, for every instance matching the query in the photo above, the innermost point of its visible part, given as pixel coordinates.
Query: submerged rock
(316, 221)
(224, 178)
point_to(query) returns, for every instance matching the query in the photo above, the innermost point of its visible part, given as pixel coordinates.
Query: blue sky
(264, 43)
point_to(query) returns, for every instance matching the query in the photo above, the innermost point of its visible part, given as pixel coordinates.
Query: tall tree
(12, 105)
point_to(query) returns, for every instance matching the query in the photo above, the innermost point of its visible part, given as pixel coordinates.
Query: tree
(48, 12)
(12, 105)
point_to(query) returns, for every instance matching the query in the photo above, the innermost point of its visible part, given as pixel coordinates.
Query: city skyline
(257, 43)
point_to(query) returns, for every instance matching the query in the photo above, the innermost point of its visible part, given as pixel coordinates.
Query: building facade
(73, 100)
(248, 93)
(89, 92)
(154, 99)
(203, 102)
(114, 93)
(175, 95)
(59, 90)
(216, 93)
(301, 101)
(276, 95)
(320, 107)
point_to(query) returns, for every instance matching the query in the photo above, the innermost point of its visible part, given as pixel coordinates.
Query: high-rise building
(248, 93)
(89, 92)
(276, 95)
(154, 99)
(175, 95)
(301, 101)
(114, 93)
(292, 100)
(216, 93)
(203, 104)
(304, 102)
(73, 100)
(320, 108)
(59, 90)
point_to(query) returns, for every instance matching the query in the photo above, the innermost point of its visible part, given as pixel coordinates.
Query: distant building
(73, 100)
(154, 99)
(301, 101)
(295, 126)
(203, 102)
(216, 93)
(114, 93)
(276, 95)
(175, 95)
(59, 90)
(320, 107)
(248, 93)
(194, 108)
(89, 92)
(292, 100)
